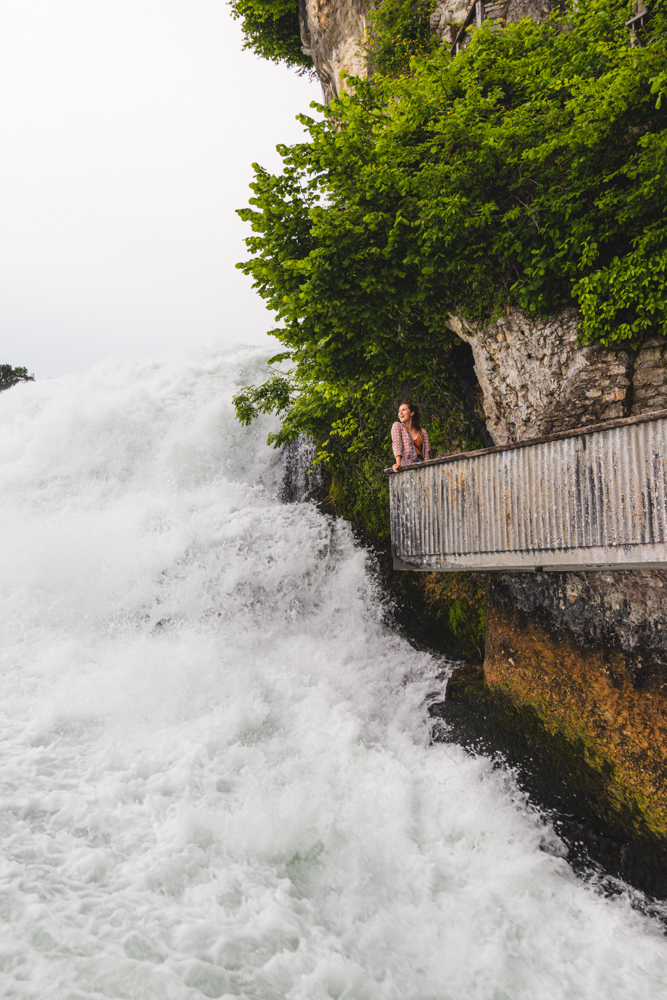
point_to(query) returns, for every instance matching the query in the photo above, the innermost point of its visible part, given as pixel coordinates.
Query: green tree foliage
(271, 29)
(10, 376)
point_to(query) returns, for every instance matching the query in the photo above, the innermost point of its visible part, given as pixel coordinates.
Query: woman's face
(404, 413)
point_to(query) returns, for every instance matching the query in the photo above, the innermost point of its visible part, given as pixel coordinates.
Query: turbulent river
(215, 762)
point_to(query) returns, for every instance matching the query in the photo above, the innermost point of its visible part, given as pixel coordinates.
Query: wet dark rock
(556, 774)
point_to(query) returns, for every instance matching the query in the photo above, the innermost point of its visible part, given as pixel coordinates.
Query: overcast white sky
(128, 129)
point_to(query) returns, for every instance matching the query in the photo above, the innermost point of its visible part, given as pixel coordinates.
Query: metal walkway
(594, 498)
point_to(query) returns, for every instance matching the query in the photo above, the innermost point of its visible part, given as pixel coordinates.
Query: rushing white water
(215, 764)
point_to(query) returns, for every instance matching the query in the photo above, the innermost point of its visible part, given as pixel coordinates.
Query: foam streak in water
(215, 764)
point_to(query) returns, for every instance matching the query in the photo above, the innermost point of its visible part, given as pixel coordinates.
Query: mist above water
(215, 761)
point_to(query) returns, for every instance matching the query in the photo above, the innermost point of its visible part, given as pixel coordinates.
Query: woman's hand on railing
(397, 464)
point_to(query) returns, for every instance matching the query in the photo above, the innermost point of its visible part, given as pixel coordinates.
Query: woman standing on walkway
(409, 440)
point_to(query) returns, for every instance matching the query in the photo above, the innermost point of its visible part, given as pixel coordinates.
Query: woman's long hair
(415, 414)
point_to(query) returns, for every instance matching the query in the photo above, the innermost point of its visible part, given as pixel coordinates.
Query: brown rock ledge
(591, 664)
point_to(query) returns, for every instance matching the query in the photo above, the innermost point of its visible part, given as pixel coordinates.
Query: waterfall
(215, 757)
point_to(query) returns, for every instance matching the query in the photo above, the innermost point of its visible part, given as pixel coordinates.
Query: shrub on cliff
(400, 30)
(271, 29)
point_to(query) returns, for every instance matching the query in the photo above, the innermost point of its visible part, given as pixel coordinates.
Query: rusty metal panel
(595, 498)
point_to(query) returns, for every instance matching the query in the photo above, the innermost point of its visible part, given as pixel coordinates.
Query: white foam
(215, 761)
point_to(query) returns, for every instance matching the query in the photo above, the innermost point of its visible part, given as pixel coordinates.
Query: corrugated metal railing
(594, 498)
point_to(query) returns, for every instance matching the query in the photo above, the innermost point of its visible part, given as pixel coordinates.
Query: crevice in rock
(463, 363)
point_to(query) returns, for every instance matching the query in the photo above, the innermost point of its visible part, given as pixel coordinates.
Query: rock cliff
(537, 379)
(332, 34)
(451, 16)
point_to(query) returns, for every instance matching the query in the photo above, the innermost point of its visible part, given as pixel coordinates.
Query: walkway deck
(594, 498)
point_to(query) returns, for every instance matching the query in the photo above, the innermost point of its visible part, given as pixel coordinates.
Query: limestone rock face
(649, 382)
(516, 10)
(332, 33)
(536, 380)
(449, 15)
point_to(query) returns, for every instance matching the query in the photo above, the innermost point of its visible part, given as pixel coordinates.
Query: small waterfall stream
(302, 477)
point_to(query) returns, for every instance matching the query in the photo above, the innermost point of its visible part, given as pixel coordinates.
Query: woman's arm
(397, 445)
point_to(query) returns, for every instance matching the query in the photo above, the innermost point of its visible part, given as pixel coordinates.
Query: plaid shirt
(403, 445)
